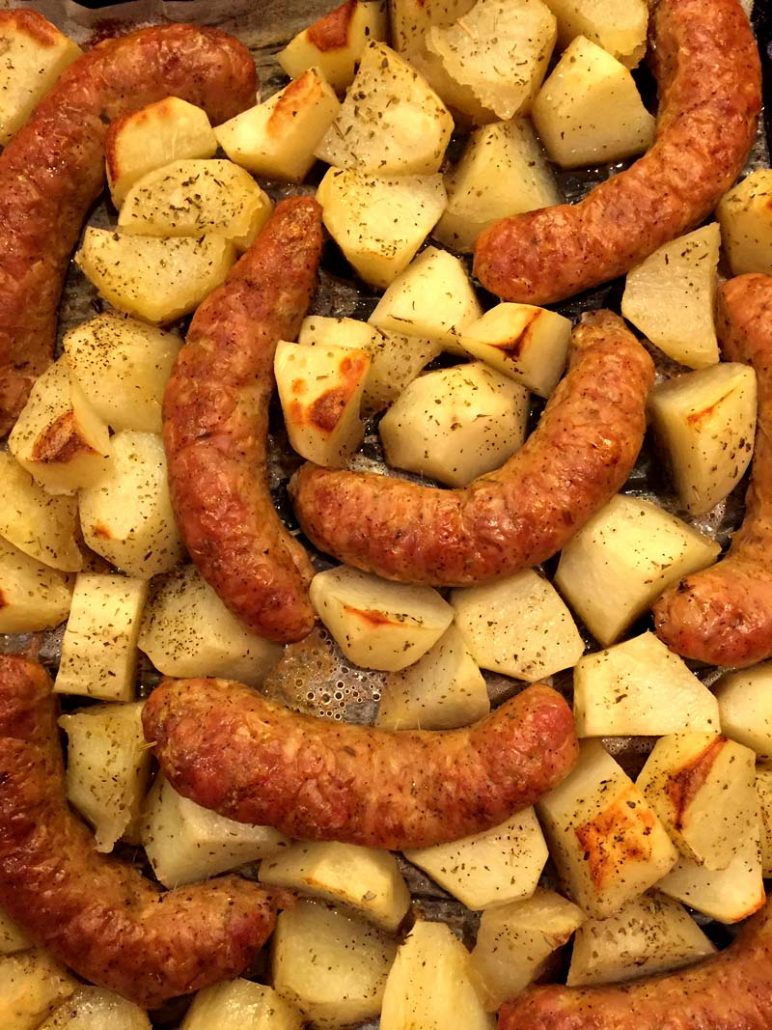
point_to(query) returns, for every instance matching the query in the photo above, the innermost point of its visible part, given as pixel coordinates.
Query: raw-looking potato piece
(622, 560)
(364, 879)
(515, 942)
(605, 839)
(156, 278)
(32, 596)
(99, 646)
(640, 688)
(589, 110)
(491, 868)
(94, 1008)
(121, 366)
(58, 437)
(379, 223)
(331, 965)
(191, 198)
(526, 343)
(127, 517)
(187, 631)
(160, 133)
(108, 769)
(378, 624)
(277, 138)
(186, 843)
(38, 523)
(652, 934)
(320, 389)
(430, 984)
(745, 217)
(391, 120)
(518, 626)
(241, 1005)
(442, 691)
(702, 787)
(619, 26)
(745, 705)
(335, 42)
(764, 792)
(32, 984)
(671, 297)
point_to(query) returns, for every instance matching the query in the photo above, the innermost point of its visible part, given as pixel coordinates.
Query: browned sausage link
(732, 991)
(53, 170)
(227, 748)
(98, 914)
(709, 76)
(216, 426)
(723, 615)
(580, 454)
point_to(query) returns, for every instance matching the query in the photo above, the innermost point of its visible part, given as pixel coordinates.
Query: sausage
(729, 991)
(723, 615)
(228, 749)
(579, 455)
(53, 170)
(708, 70)
(216, 426)
(95, 913)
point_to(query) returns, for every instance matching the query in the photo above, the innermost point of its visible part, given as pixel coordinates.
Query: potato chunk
(745, 703)
(32, 984)
(12, 937)
(32, 596)
(38, 523)
(94, 1008)
(241, 1005)
(764, 792)
(745, 217)
(619, 26)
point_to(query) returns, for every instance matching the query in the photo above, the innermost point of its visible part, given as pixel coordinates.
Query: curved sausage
(216, 426)
(708, 70)
(723, 615)
(53, 170)
(97, 914)
(228, 749)
(729, 991)
(579, 455)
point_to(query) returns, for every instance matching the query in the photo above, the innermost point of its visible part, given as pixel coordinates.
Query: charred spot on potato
(682, 786)
(61, 441)
(331, 31)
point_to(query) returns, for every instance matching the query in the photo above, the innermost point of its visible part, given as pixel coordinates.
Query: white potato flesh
(12, 937)
(241, 1005)
(671, 297)
(127, 517)
(456, 424)
(604, 837)
(331, 966)
(58, 437)
(99, 646)
(764, 792)
(622, 560)
(186, 843)
(191, 198)
(745, 217)
(94, 1008)
(619, 26)
(518, 626)
(379, 223)
(745, 704)
(391, 120)
(32, 596)
(277, 138)
(640, 688)
(32, 984)
(38, 523)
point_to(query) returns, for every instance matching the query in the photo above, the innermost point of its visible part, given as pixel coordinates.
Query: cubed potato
(122, 366)
(706, 422)
(442, 691)
(58, 437)
(332, 966)
(604, 837)
(515, 941)
(490, 868)
(589, 110)
(95, 1008)
(764, 792)
(127, 517)
(241, 1005)
(745, 217)
(745, 704)
(99, 646)
(622, 560)
(160, 133)
(32, 984)
(364, 879)
(38, 523)
(12, 937)
(320, 389)
(652, 934)
(640, 688)
(32, 596)
(413, 125)
(518, 626)
(187, 631)
(277, 138)
(155, 278)
(430, 984)
(671, 297)
(379, 223)
(377, 624)
(619, 26)
(335, 42)
(191, 198)
(186, 843)
(702, 787)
